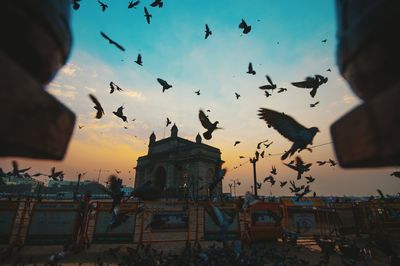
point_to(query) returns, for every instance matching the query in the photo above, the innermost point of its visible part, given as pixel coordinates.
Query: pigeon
(100, 111)
(396, 174)
(262, 154)
(237, 95)
(197, 92)
(290, 129)
(321, 163)
(258, 185)
(259, 144)
(164, 84)
(271, 86)
(294, 188)
(236, 143)
(241, 157)
(268, 178)
(56, 176)
(250, 69)
(329, 70)
(300, 167)
(117, 171)
(120, 114)
(332, 162)
(113, 87)
(80, 127)
(208, 32)
(139, 60)
(168, 122)
(310, 179)
(147, 15)
(312, 83)
(282, 90)
(133, 4)
(324, 41)
(268, 144)
(112, 42)
(282, 183)
(103, 6)
(243, 25)
(158, 3)
(273, 171)
(205, 122)
(75, 4)
(314, 104)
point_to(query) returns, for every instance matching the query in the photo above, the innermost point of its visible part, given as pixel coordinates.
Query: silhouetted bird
(168, 122)
(16, 171)
(120, 114)
(312, 83)
(282, 90)
(237, 95)
(56, 176)
(324, 41)
(300, 167)
(258, 185)
(314, 104)
(290, 129)
(321, 163)
(114, 86)
(271, 86)
(396, 174)
(332, 162)
(80, 127)
(100, 111)
(158, 3)
(103, 6)
(243, 25)
(268, 178)
(133, 4)
(259, 144)
(208, 32)
(236, 143)
(268, 144)
(250, 69)
(75, 4)
(294, 188)
(241, 157)
(117, 171)
(267, 94)
(273, 171)
(164, 84)
(329, 70)
(147, 15)
(139, 60)
(197, 92)
(282, 183)
(112, 41)
(310, 179)
(205, 122)
(262, 154)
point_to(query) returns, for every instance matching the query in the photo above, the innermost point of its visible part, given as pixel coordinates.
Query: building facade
(179, 166)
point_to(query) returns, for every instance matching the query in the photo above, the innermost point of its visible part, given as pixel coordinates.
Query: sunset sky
(284, 42)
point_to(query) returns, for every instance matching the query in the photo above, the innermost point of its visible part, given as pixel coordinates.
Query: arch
(160, 177)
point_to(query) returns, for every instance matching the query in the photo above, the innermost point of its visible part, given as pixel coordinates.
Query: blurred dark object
(368, 58)
(35, 45)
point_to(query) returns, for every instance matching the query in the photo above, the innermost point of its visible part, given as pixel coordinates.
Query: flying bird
(290, 129)
(329, 70)
(310, 179)
(262, 154)
(259, 144)
(103, 6)
(164, 84)
(208, 32)
(273, 171)
(321, 163)
(332, 162)
(117, 171)
(282, 90)
(112, 42)
(268, 144)
(267, 94)
(271, 86)
(324, 41)
(205, 122)
(312, 83)
(300, 167)
(241, 157)
(246, 28)
(75, 4)
(168, 122)
(282, 183)
(100, 110)
(147, 15)
(314, 104)
(133, 4)
(250, 69)
(236, 143)
(80, 127)
(120, 114)
(139, 60)
(158, 3)
(197, 92)
(396, 174)
(114, 87)
(237, 95)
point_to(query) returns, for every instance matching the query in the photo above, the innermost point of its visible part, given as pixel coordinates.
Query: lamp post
(254, 161)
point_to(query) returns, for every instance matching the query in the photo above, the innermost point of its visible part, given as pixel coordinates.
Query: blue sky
(173, 48)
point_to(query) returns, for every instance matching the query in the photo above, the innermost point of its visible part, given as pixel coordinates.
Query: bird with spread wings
(290, 129)
(205, 122)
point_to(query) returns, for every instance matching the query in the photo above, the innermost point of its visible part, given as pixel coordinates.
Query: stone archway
(160, 178)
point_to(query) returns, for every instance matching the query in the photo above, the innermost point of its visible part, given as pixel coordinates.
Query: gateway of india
(178, 166)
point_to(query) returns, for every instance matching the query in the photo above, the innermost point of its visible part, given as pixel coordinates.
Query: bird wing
(291, 166)
(207, 28)
(250, 67)
(284, 124)
(95, 101)
(105, 36)
(205, 122)
(139, 58)
(269, 80)
(162, 82)
(119, 46)
(242, 24)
